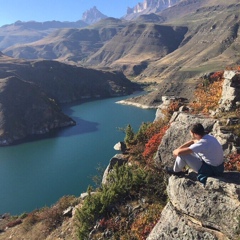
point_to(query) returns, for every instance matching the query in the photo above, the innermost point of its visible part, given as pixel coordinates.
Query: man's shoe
(171, 172)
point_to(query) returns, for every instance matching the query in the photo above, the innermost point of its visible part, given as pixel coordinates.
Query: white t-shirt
(209, 149)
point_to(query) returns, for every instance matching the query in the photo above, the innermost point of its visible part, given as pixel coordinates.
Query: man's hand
(176, 152)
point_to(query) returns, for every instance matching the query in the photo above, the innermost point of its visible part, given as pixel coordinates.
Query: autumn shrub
(124, 181)
(142, 137)
(50, 217)
(120, 182)
(153, 143)
(172, 107)
(135, 154)
(14, 223)
(146, 220)
(216, 76)
(53, 217)
(136, 223)
(135, 228)
(235, 68)
(155, 127)
(31, 219)
(233, 162)
(208, 94)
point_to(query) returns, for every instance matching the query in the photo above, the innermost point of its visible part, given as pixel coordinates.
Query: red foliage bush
(217, 76)
(207, 96)
(14, 223)
(233, 68)
(233, 163)
(153, 143)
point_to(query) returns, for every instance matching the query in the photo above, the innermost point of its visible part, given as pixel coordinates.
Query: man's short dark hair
(197, 129)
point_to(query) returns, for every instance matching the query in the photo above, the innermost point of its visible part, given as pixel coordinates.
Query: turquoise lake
(39, 172)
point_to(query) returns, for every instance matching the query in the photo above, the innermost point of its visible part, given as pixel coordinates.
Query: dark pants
(207, 170)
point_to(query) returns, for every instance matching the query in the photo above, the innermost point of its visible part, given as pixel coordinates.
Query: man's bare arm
(182, 151)
(187, 144)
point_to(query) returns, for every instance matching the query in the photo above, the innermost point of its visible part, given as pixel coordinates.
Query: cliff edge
(195, 211)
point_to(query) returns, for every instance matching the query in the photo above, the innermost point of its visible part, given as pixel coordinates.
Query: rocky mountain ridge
(92, 15)
(122, 51)
(27, 32)
(31, 31)
(147, 7)
(56, 45)
(211, 42)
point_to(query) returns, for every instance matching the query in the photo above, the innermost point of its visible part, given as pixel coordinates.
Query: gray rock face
(231, 91)
(195, 212)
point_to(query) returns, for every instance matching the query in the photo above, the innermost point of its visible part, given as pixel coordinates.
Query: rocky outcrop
(195, 212)
(231, 91)
(166, 104)
(120, 146)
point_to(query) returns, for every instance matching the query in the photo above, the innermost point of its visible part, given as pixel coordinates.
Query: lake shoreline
(139, 105)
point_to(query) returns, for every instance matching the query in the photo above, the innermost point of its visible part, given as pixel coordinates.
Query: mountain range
(168, 44)
(149, 6)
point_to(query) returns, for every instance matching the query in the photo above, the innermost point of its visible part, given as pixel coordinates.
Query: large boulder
(198, 212)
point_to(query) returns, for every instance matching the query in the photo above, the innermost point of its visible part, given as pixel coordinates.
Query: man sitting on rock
(203, 154)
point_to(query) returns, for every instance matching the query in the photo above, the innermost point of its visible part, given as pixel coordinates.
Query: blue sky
(60, 10)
